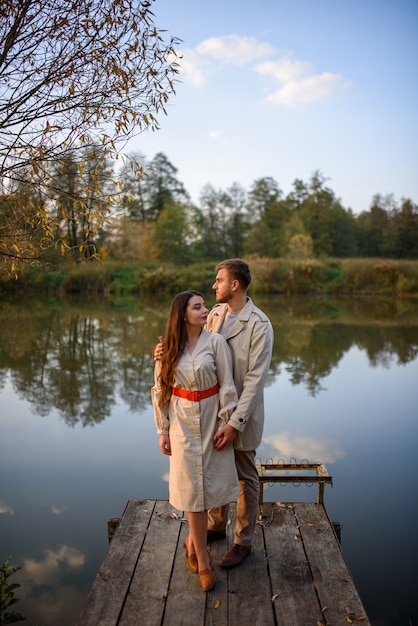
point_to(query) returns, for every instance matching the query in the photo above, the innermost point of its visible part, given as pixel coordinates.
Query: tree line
(150, 216)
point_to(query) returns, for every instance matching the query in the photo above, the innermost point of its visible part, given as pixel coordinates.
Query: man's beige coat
(251, 343)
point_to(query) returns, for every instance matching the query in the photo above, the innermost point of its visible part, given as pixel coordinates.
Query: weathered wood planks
(295, 575)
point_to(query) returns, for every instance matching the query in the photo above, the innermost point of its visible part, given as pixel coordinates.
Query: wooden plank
(186, 601)
(150, 583)
(107, 595)
(295, 600)
(217, 598)
(249, 588)
(337, 594)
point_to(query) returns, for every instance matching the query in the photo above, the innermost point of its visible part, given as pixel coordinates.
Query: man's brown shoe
(216, 535)
(235, 556)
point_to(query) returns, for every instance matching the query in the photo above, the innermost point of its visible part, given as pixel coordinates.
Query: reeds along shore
(388, 277)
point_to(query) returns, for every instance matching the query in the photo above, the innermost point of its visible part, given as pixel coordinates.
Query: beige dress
(201, 477)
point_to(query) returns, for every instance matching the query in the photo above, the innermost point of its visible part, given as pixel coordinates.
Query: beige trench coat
(251, 342)
(201, 477)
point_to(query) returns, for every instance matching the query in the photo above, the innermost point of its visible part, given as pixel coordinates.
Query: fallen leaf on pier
(351, 617)
(273, 598)
(217, 604)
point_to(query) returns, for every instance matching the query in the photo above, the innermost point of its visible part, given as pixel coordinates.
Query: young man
(249, 334)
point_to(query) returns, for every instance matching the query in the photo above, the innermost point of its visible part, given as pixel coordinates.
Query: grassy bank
(281, 276)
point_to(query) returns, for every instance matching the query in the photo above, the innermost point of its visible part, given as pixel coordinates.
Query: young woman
(193, 396)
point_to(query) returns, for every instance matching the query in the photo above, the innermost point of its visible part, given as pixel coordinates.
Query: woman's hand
(164, 444)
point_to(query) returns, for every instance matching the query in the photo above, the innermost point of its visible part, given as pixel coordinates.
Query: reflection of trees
(77, 364)
(311, 352)
(384, 342)
(80, 362)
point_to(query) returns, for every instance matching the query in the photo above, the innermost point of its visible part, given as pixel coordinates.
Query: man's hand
(159, 348)
(224, 437)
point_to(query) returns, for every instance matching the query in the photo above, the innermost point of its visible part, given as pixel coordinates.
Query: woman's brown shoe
(206, 579)
(191, 558)
(207, 576)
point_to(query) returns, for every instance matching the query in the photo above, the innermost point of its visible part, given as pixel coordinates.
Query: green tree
(161, 186)
(371, 226)
(331, 227)
(259, 240)
(172, 234)
(74, 75)
(214, 207)
(263, 193)
(236, 220)
(400, 235)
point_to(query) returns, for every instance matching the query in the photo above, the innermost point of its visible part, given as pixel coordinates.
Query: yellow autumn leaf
(217, 604)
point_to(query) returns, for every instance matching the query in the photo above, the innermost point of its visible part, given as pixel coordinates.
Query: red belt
(195, 396)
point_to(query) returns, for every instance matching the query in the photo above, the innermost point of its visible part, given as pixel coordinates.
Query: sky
(284, 88)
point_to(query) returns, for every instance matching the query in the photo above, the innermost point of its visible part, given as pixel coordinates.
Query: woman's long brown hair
(174, 342)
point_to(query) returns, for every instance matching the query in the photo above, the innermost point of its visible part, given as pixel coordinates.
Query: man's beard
(224, 299)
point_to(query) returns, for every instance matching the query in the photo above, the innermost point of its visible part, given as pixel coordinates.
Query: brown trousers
(247, 503)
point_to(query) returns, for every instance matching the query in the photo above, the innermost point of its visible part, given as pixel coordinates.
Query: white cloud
(215, 134)
(293, 81)
(297, 83)
(6, 509)
(233, 49)
(193, 68)
(195, 65)
(46, 571)
(288, 446)
(284, 70)
(58, 510)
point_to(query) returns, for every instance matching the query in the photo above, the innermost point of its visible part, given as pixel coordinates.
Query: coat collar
(219, 312)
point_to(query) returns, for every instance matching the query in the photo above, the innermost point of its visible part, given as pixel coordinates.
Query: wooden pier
(296, 574)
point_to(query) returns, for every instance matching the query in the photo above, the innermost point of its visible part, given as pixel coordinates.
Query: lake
(77, 437)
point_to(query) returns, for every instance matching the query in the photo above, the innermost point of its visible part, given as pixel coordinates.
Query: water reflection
(78, 361)
(288, 445)
(341, 390)
(46, 588)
